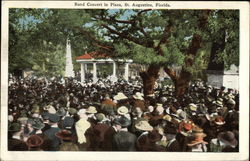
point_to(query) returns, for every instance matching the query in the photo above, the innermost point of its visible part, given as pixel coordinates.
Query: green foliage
(201, 61)
(38, 36)
(226, 21)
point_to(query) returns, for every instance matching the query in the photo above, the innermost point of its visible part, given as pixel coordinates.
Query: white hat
(143, 125)
(192, 107)
(120, 96)
(122, 110)
(91, 109)
(151, 95)
(138, 96)
(81, 111)
(151, 108)
(51, 109)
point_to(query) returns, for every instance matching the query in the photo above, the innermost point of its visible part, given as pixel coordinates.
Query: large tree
(155, 38)
(166, 38)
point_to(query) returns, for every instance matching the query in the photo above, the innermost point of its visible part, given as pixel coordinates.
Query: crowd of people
(65, 115)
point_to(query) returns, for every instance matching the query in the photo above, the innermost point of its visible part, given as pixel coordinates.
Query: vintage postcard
(124, 80)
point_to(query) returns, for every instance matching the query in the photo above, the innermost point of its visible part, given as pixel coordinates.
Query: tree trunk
(149, 78)
(182, 80)
(182, 83)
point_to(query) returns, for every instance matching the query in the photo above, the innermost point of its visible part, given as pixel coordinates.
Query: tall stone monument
(69, 65)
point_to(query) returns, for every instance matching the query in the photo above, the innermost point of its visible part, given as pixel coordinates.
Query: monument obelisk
(69, 65)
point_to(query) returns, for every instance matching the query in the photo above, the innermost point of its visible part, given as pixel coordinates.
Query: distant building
(227, 78)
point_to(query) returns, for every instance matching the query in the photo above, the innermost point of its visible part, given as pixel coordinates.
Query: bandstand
(95, 58)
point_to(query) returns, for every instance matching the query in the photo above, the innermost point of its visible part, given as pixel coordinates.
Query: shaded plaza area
(64, 115)
(123, 80)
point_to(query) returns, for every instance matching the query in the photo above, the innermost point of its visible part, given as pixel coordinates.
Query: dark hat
(34, 141)
(154, 136)
(68, 122)
(53, 118)
(14, 127)
(109, 109)
(170, 128)
(64, 135)
(37, 123)
(228, 138)
(45, 115)
(201, 121)
(201, 109)
(123, 121)
(61, 112)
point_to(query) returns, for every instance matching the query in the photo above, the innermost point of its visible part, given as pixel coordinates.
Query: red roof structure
(92, 55)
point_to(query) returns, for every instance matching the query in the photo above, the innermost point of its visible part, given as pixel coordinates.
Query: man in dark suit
(124, 141)
(171, 130)
(53, 120)
(119, 124)
(95, 136)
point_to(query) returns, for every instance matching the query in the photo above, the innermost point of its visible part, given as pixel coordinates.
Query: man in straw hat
(197, 144)
(123, 111)
(138, 101)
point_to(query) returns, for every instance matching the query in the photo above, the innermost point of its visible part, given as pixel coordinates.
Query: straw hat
(35, 109)
(120, 96)
(192, 107)
(51, 109)
(219, 103)
(143, 125)
(167, 117)
(197, 131)
(231, 102)
(198, 136)
(81, 111)
(91, 109)
(138, 96)
(122, 110)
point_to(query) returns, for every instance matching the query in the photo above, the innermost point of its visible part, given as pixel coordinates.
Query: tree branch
(171, 73)
(115, 20)
(102, 46)
(133, 39)
(142, 11)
